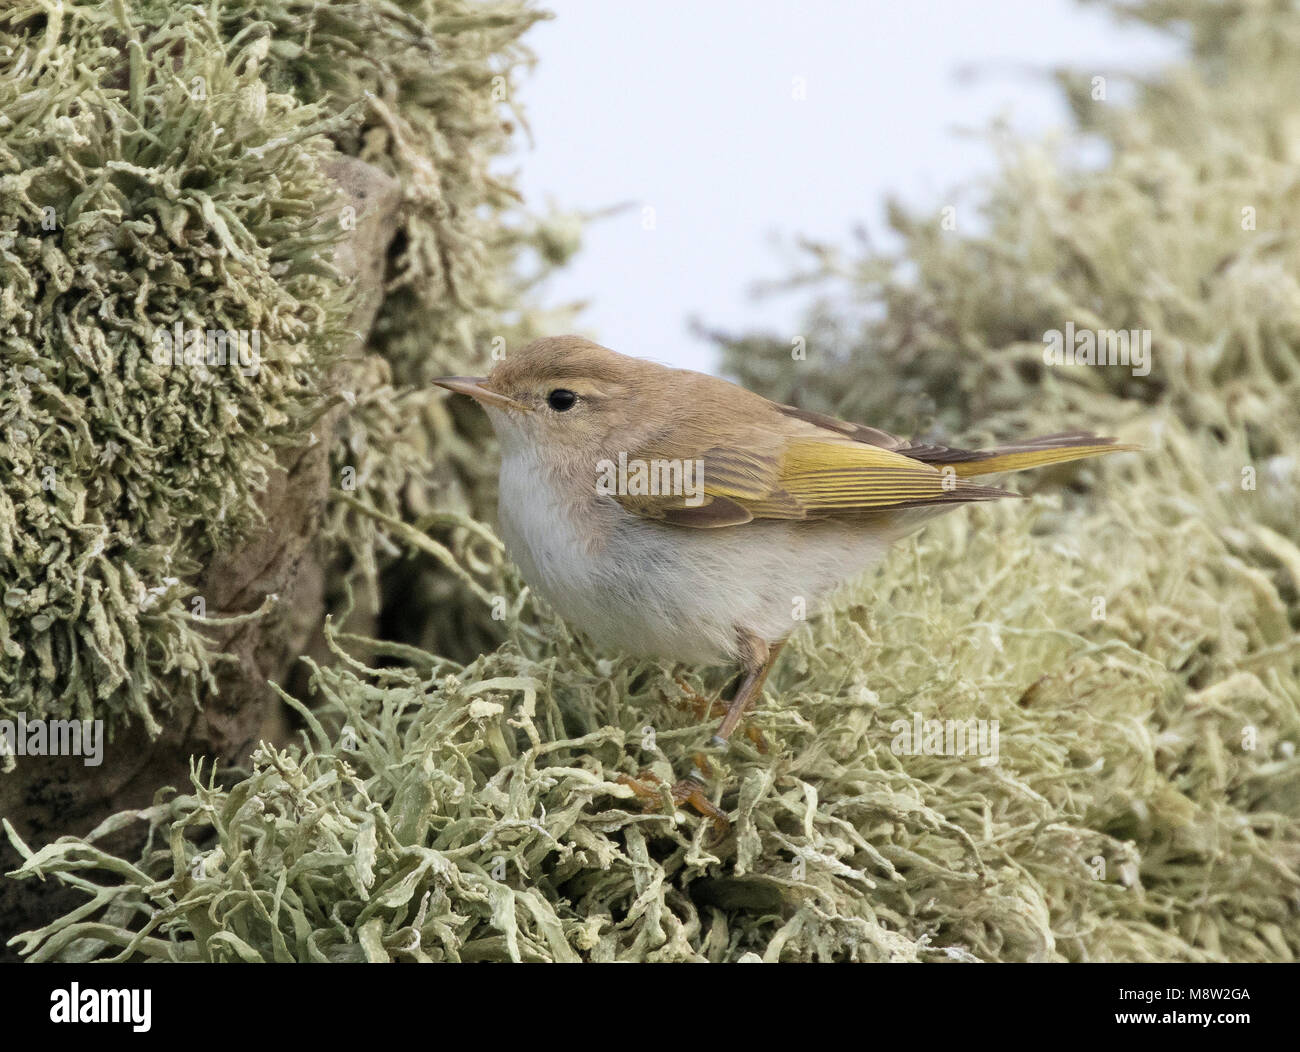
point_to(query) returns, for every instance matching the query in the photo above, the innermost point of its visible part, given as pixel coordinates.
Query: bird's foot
(703, 707)
(690, 791)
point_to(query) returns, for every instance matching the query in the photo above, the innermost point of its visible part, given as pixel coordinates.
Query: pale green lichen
(148, 180)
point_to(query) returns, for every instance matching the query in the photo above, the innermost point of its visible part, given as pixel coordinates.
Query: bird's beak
(473, 386)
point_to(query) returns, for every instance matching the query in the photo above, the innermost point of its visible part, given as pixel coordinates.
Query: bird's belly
(668, 591)
(622, 590)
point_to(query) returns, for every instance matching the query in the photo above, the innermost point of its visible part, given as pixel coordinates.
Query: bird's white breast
(670, 591)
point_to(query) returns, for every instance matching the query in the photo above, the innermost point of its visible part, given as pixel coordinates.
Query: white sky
(687, 107)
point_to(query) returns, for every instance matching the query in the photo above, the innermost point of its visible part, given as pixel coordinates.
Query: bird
(671, 514)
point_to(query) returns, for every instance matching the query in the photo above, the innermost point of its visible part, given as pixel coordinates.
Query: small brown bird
(672, 514)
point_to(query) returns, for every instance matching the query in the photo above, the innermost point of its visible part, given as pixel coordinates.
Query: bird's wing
(807, 471)
(1027, 453)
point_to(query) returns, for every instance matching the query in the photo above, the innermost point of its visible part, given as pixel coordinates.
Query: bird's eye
(561, 399)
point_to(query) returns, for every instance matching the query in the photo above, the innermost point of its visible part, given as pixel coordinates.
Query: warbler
(673, 514)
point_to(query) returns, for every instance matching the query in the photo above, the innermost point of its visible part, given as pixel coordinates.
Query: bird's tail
(1031, 453)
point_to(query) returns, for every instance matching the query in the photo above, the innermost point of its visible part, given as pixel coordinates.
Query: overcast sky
(733, 126)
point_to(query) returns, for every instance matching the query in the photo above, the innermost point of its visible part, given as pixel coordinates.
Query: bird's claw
(686, 791)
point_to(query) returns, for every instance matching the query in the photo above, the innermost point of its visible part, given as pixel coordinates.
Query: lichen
(150, 185)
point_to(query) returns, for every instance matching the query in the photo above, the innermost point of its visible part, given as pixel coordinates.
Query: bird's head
(565, 397)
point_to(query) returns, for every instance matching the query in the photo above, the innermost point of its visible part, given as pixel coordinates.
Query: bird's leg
(757, 659)
(704, 708)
